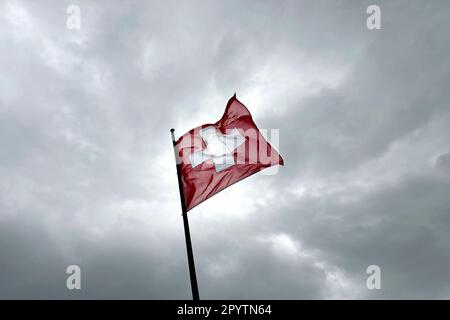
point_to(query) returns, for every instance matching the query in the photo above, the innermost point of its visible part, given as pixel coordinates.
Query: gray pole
(187, 234)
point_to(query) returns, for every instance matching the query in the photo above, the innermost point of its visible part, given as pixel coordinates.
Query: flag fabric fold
(215, 156)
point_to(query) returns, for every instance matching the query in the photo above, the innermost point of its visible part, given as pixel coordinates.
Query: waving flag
(215, 156)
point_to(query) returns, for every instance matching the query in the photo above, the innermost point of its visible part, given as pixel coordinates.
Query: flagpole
(187, 234)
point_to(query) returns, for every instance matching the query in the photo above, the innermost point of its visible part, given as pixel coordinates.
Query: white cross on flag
(215, 156)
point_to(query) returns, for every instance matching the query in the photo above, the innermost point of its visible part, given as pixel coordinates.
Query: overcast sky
(87, 173)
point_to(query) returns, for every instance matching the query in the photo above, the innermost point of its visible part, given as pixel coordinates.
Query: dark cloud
(443, 162)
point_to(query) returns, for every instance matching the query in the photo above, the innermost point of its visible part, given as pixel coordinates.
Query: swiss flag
(215, 156)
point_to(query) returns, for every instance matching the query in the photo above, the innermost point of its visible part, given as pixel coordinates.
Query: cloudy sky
(87, 169)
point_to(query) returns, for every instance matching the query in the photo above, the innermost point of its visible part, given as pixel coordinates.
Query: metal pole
(187, 234)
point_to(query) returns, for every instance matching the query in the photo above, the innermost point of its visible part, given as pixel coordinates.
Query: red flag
(215, 156)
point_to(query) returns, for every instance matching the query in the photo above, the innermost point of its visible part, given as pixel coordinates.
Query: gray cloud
(443, 162)
(87, 170)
